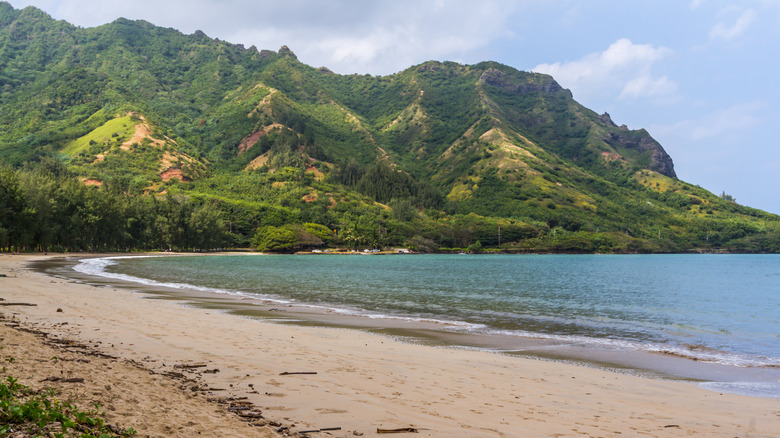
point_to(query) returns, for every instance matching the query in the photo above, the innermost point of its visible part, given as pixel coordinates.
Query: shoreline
(652, 360)
(366, 381)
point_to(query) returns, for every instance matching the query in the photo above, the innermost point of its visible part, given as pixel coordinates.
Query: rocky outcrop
(542, 83)
(285, 51)
(606, 119)
(641, 141)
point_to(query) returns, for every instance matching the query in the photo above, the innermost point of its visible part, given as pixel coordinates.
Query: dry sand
(363, 382)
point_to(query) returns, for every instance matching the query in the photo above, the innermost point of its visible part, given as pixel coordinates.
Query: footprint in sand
(273, 382)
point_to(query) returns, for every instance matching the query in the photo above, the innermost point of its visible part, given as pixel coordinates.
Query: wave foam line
(97, 267)
(753, 389)
(717, 357)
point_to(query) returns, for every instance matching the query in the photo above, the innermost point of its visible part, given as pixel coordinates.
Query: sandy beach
(165, 368)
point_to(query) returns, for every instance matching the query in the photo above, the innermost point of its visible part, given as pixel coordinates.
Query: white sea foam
(709, 356)
(452, 324)
(97, 267)
(753, 389)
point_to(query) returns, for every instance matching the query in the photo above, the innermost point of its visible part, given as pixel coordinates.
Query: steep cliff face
(642, 142)
(538, 83)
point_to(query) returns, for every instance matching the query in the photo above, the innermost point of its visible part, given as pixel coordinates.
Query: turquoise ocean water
(716, 311)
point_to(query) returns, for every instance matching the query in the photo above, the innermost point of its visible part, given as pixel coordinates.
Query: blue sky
(699, 75)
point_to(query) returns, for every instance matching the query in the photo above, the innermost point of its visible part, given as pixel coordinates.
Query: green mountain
(440, 155)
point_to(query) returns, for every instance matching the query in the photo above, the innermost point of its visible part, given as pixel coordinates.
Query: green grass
(656, 181)
(41, 414)
(118, 129)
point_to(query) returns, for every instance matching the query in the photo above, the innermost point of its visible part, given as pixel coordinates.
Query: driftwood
(400, 430)
(17, 304)
(188, 366)
(56, 340)
(64, 359)
(289, 373)
(241, 403)
(225, 400)
(250, 414)
(64, 380)
(324, 429)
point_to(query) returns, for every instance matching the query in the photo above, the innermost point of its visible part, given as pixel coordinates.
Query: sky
(699, 75)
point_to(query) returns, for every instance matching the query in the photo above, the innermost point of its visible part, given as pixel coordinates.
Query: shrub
(475, 247)
(321, 231)
(274, 239)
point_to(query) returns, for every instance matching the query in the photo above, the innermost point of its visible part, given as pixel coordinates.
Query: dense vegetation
(47, 209)
(130, 136)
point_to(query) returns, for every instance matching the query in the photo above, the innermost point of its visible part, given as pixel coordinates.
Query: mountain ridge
(415, 151)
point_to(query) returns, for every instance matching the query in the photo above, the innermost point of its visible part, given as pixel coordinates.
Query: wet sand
(363, 381)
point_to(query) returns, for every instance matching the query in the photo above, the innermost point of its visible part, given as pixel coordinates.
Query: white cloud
(347, 36)
(648, 86)
(724, 32)
(405, 33)
(727, 124)
(623, 69)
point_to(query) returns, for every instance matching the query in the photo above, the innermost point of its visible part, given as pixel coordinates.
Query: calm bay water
(719, 309)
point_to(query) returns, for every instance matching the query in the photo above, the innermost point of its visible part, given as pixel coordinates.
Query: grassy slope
(115, 131)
